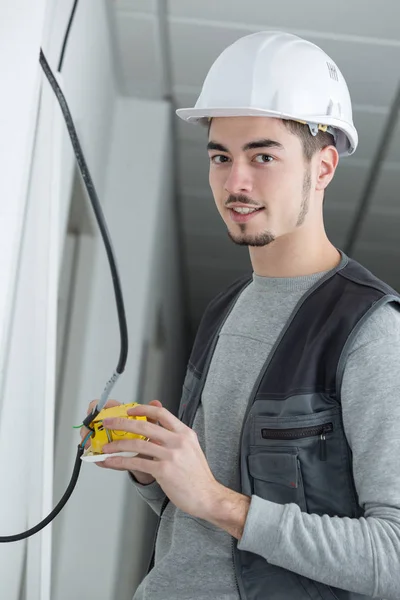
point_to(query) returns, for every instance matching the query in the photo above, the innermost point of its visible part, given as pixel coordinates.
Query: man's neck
(280, 259)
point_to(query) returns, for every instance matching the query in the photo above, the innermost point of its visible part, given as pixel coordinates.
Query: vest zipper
(297, 433)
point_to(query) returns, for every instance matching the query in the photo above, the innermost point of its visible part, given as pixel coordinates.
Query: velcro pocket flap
(275, 467)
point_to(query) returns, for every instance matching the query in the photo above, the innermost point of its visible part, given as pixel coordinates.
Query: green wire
(77, 426)
(89, 435)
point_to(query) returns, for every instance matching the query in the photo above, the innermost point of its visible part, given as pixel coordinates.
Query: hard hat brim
(194, 115)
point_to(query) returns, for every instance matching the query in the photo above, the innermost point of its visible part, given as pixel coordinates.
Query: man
(281, 477)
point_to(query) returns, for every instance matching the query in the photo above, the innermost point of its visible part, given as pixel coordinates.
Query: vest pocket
(276, 475)
(298, 433)
(319, 444)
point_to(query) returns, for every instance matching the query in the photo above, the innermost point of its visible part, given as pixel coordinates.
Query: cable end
(90, 417)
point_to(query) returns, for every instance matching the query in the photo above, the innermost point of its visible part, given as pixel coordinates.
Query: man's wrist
(228, 510)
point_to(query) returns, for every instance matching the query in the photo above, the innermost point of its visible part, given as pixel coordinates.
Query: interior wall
(106, 528)
(21, 30)
(132, 177)
(36, 180)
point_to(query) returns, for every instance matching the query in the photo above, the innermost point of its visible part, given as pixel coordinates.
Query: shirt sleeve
(151, 493)
(360, 555)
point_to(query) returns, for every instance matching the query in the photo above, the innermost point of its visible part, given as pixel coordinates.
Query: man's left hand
(179, 464)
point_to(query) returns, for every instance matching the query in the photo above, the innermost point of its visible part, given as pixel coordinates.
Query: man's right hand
(142, 478)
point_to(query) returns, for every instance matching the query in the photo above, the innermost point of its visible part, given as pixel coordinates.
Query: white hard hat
(276, 74)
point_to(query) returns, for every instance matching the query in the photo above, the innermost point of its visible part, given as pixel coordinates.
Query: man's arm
(361, 555)
(150, 493)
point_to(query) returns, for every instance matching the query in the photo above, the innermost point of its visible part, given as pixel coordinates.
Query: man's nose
(238, 180)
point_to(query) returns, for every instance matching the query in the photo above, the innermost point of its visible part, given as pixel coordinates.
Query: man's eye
(218, 159)
(263, 158)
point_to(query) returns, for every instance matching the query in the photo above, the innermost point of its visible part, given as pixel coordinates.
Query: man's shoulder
(382, 324)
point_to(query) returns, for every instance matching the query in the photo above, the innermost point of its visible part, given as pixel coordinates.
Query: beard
(267, 237)
(305, 203)
(260, 239)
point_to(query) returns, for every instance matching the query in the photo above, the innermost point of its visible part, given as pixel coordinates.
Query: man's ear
(328, 160)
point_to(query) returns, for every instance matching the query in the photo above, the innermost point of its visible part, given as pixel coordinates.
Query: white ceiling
(363, 39)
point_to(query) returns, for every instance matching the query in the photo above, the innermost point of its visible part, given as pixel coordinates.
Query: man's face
(256, 162)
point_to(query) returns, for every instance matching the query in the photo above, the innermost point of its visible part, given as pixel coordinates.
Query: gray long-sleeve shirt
(193, 558)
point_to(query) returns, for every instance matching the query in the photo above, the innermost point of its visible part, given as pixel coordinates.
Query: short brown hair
(311, 143)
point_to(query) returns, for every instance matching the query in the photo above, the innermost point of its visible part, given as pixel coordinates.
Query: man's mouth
(241, 214)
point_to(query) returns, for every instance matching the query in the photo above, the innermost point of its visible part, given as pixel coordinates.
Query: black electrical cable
(97, 211)
(116, 282)
(64, 46)
(22, 536)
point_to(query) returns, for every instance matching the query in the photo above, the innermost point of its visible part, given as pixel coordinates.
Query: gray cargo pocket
(276, 475)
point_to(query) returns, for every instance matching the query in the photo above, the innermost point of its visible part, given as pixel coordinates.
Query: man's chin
(254, 241)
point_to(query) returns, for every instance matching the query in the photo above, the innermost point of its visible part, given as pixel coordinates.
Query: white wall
(35, 185)
(27, 389)
(102, 538)
(21, 28)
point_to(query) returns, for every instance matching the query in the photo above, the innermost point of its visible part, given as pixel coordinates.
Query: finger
(108, 404)
(91, 406)
(84, 430)
(145, 428)
(112, 463)
(122, 463)
(161, 414)
(140, 446)
(154, 403)
(83, 433)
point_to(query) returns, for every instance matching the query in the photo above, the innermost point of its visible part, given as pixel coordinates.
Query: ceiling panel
(369, 127)
(387, 194)
(356, 17)
(143, 6)
(137, 49)
(371, 71)
(382, 231)
(361, 64)
(394, 149)
(381, 262)
(337, 224)
(347, 185)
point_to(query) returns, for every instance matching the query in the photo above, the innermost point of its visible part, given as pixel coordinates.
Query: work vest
(293, 447)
